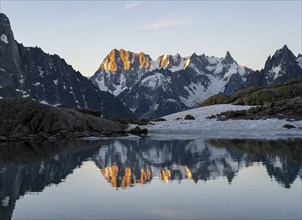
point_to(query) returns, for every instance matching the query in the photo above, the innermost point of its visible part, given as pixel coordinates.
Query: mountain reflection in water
(31, 166)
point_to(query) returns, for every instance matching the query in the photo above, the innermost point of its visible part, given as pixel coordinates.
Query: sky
(84, 32)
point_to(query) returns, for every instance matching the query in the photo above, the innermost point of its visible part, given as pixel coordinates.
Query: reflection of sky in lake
(86, 193)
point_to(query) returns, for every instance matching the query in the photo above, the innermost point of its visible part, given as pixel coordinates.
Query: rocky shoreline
(25, 119)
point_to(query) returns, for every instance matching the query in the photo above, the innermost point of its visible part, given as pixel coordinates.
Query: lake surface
(152, 179)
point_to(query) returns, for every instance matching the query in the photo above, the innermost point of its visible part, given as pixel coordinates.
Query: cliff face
(122, 60)
(11, 68)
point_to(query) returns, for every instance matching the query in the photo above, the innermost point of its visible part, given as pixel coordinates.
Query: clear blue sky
(84, 32)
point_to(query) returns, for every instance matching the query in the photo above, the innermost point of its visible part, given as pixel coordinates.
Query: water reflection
(31, 166)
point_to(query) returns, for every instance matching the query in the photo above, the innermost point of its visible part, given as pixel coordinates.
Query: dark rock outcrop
(289, 126)
(27, 119)
(283, 100)
(138, 131)
(189, 117)
(265, 96)
(159, 119)
(93, 112)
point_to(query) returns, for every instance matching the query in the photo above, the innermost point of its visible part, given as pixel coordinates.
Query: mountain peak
(228, 56)
(282, 61)
(5, 29)
(167, 61)
(4, 19)
(285, 47)
(284, 50)
(283, 54)
(228, 59)
(124, 60)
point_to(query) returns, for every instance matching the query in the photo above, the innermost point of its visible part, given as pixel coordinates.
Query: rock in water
(288, 126)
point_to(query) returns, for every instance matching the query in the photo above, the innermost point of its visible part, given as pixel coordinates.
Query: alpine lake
(150, 178)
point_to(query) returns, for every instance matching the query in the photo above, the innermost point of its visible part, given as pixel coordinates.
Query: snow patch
(156, 80)
(3, 70)
(37, 84)
(44, 102)
(197, 93)
(214, 60)
(4, 38)
(101, 82)
(84, 99)
(41, 72)
(154, 65)
(5, 201)
(55, 81)
(277, 71)
(232, 70)
(241, 70)
(299, 60)
(205, 127)
(180, 66)
(171, 100)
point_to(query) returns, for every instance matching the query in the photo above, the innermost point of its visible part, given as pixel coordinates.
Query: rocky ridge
(283, 100)
(23, 119)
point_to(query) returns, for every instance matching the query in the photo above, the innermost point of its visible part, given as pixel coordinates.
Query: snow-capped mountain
(30, 72)
(182, 83)
(172, 83)
(120, 70)
(283, 66)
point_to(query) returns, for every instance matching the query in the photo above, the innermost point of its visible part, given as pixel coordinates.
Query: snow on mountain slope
(204, 127)
(299, 60)
(121, 69)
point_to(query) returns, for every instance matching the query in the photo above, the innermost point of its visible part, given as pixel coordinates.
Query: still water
(151, 179)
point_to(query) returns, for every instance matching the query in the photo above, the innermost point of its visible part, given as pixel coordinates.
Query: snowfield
(204, 127)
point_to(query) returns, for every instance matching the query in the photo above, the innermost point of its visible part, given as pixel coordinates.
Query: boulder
(138, 131)
(289, 126)
(189, 117)
(159, 119)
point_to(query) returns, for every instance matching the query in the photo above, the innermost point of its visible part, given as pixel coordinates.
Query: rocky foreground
(283, 101)
(23, 119)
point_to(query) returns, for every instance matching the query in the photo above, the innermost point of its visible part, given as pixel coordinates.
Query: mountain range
(153, 88)
(128, 84)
